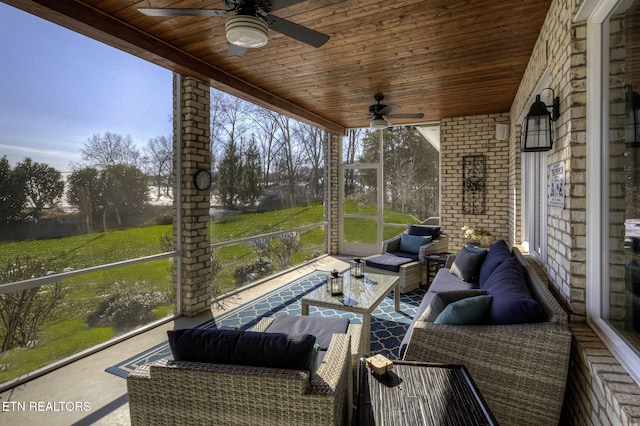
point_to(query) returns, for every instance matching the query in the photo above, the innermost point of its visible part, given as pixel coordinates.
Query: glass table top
(362, 293)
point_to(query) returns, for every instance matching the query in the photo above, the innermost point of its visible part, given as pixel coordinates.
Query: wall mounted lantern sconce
(537, 130)
(632, 119)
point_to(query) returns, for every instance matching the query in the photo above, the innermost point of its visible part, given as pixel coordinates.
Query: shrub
(278, 249)
(125, 307)
(250, 272)
(166, 219)
(24, 312)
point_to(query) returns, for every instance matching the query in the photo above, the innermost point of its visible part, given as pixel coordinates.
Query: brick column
(191, 227)
(332, 155)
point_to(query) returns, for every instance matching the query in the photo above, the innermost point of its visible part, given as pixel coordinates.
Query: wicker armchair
(167, 392)
(413, 274)
(436, 246)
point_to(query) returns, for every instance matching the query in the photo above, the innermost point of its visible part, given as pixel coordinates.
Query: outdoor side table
(433, 263)
(416, 393)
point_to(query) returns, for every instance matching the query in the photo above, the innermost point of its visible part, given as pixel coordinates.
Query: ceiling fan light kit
(247, 31)
(378, 123)
(381, 114)
(249, 27)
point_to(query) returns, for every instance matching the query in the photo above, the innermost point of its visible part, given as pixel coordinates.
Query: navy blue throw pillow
(236, 347)
(512, 301)
(498, 253)
(424, 231)
(467, 264)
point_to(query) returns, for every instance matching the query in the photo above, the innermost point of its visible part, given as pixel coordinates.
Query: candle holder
(356, 268)
(335, 283)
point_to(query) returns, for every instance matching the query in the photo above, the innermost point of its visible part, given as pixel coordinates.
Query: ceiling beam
(88, 21)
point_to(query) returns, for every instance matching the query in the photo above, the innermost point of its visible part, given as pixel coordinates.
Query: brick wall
(460, 137)
(195, 261)
(599, 391)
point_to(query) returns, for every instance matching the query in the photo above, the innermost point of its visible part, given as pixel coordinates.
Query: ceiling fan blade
(269, 6)
(235, 50)
(298, 32)
(174, 11)
(418, 115)
(388, 109)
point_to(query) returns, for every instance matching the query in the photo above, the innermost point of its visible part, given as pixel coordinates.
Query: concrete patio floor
(83, 393)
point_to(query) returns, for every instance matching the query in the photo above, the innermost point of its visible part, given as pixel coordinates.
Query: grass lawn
(67, 332)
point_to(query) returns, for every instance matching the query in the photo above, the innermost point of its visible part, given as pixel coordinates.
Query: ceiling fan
(248, 28)
(382, 113)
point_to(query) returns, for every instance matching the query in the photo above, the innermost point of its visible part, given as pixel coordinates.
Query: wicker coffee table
(360, 295)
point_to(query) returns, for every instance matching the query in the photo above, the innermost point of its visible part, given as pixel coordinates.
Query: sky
(59, 88)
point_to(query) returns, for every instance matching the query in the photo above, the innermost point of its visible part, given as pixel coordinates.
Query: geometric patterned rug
(388, 327)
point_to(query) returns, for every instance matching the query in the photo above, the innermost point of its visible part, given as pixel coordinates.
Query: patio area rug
(388, 327)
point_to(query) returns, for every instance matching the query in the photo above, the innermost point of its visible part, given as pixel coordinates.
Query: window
(391, 178)
(267, 192)
(85, 233)
(534, 192)
(534, 204)
(613, 172)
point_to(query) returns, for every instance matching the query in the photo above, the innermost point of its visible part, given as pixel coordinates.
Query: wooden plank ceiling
(445, 58)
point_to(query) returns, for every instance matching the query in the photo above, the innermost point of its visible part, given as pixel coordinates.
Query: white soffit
(431, 134)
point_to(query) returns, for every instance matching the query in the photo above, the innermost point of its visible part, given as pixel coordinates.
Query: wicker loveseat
(520, 369)
(169, 392)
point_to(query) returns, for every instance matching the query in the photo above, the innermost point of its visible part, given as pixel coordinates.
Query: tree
(229, 171)
(12, 192)
(230, 117)
(110, 150)
(290, 155)
(267, 135)
(353, 138)
(120, 189)
(312, 141)
(251, 175)
(410, 169)
(159, 161)
(83, 193)
(123, 190)
(44, 186)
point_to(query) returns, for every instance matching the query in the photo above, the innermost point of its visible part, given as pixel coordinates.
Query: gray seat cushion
(444, 281)
(323, 328)
(388, 262)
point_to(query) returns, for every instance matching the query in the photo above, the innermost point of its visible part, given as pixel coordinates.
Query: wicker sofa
(520, 369)
(169, 392)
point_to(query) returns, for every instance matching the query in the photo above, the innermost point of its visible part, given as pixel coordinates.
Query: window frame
(597, 164)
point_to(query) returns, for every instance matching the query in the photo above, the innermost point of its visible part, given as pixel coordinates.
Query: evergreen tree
(83, 193)
(12, 192)
(124, 190)
(251, 178)
(229, 173)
